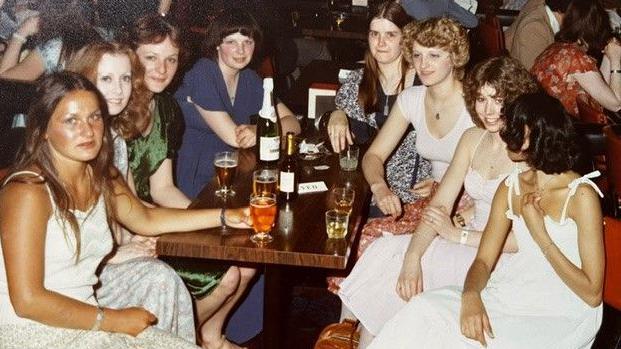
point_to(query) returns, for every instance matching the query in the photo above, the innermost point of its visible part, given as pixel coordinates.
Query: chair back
(612, 141)
(588, 113)
(612, 276)
(491, 36)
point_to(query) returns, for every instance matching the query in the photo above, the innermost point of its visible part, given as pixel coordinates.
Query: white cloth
(554, 24)
(528, 304)
(439, 151)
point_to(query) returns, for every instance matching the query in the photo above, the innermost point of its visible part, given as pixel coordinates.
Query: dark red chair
(588, 113)
(490, 36)
(612, 141)
(612, 276)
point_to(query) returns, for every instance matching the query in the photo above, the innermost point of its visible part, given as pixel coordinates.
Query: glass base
(225, 192)
(261, 238)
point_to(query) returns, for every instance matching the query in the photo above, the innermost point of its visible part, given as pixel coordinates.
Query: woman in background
(218, 96)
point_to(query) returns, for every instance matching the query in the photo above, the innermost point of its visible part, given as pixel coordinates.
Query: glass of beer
(263, 212)
(225, 164)
(336, 224)
(265, 181)
(343, 199)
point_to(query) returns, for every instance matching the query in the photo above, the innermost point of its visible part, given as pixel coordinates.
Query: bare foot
(220, 343)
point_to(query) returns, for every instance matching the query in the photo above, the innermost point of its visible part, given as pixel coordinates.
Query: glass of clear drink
(265, 181)
(263, 213)
(348, 158)
(336, 224)
(225, 164)
(343, 199)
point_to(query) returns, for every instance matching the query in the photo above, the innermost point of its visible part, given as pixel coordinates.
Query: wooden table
(299, 236)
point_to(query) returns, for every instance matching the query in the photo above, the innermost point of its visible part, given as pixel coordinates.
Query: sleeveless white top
(62, 273)
(439, 151)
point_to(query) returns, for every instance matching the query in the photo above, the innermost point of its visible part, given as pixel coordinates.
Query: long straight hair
(370, 84)
(36, 151)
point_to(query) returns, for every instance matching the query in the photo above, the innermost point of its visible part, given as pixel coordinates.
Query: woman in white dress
(54, 209)
(549, 294)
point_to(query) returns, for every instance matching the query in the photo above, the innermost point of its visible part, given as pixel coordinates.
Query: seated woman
(132, 276)
(549, 294)
(568, 68)
(152, 147)
(218, 96)
(439, 252)
(54, 212)
(62, 29)
(374, 89)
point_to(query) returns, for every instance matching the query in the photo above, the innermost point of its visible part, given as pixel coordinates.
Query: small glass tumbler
(336, 224)
(348, 158)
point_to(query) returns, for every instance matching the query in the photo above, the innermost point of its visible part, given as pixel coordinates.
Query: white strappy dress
(528, 304)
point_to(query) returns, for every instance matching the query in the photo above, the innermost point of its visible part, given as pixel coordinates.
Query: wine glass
(225, 164)
(263, 212)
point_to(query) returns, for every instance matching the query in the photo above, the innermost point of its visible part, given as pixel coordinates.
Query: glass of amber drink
(225, 164)
(263, 213)
(343, 199)
(265, 181)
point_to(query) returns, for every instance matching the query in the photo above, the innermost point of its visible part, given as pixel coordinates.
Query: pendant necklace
(438, 116)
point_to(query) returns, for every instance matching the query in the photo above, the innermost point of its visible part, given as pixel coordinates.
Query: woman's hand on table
(387, 201)
(238, 218)
(338, 131)
(246, 135)
(473, 318)
(439, 219)
(423, 188)
(410, 282)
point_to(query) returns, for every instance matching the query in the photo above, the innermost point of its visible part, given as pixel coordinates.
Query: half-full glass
(348, 158)
(265, 181)
(336, 224)
(225, 164)
(343, 199)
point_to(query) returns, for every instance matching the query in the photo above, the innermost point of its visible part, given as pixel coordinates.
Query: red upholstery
(612, 135)
(612, 279)
(491, 36)
(3, 173)
(588, 113)
(266, 69)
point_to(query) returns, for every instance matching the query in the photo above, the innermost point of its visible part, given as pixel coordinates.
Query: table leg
(273, 313)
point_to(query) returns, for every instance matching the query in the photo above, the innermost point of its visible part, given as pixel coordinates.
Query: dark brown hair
(87, 63)
(369, 85)
(36, 152)
(586, 20)
(505, 74)
(229, 22)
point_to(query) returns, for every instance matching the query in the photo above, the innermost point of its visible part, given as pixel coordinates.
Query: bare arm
(163, 189)
(605, 88)
(32, 66)
(585, 281)
(23, 243)
(222, 125)
(288, 121)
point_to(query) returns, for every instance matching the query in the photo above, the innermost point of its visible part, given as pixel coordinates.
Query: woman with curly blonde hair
(440, 251)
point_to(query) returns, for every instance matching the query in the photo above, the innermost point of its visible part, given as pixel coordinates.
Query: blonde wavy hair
(444, 33)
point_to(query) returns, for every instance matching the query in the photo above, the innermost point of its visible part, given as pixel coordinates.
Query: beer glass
(263, 212)
(265, 181)
(225, 164)
(343, 199)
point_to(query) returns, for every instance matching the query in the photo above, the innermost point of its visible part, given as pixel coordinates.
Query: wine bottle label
(269, 148)
(287, 181)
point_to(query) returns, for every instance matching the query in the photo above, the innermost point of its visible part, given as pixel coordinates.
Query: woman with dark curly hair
(395, 270)
(568, 68)
(549, 295)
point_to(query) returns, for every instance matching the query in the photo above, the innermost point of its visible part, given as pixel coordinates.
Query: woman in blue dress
(217, 97)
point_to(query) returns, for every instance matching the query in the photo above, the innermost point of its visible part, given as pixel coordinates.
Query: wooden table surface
(300, 233)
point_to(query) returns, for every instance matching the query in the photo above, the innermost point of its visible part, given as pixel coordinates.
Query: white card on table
(312, 187)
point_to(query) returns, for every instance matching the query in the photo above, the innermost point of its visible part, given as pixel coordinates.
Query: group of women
(476, 132)
(102, 138)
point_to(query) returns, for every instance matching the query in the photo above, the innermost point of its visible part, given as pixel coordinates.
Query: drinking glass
(343, 199)
(336, 224)
(348, 158)
(263, 212)
(265, 181)
(225, 164)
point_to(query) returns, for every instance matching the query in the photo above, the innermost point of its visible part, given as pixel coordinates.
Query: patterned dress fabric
(370, 290)
(75, 280)
(528, 304)
(553, 69)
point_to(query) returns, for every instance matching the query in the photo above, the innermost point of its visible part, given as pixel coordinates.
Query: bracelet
(464, 237)
(98, 319)
(615, 71)
(546, 248)
(460, 220)
(222, 217)
(22, 39)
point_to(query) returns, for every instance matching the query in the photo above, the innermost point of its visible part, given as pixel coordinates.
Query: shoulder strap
(573, 187)
(477, 147)
(15, 174)
(513, 182)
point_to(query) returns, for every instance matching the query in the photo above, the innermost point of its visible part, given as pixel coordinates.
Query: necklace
(437, 116)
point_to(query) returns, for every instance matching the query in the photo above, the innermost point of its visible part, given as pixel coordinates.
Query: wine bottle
(288, 187)
(268, 131)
